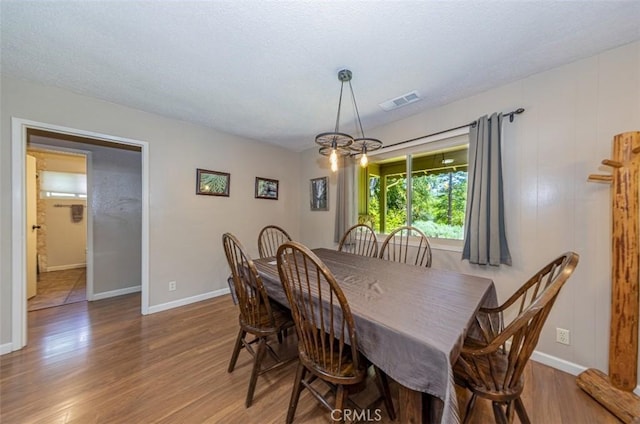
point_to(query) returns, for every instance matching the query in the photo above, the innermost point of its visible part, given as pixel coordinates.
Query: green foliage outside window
(438, 202)
(374, 202)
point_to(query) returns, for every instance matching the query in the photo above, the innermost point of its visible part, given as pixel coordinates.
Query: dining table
(411, 323)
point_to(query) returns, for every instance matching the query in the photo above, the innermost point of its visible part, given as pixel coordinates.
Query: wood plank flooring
(103, 362)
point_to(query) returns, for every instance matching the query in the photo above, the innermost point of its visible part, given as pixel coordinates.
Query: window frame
(421, 146)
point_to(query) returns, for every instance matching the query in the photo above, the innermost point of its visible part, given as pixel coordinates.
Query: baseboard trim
(563, 365)
(557, 363)
(64, 267)
(6, 348)
(186, 301)
(114, 293)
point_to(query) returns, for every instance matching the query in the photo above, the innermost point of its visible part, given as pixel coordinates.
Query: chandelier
(336, 144)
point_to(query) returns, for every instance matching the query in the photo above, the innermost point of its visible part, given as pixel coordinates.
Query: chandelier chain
(339, 108)
(355, 106)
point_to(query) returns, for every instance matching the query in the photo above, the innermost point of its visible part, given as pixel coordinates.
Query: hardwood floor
(102, 362)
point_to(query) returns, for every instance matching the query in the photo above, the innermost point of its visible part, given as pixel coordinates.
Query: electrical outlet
(562, 336)
(172, 285)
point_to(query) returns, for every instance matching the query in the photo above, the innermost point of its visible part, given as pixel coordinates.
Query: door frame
(19, 128)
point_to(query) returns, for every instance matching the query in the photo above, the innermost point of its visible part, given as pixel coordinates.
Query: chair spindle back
(360, 240)
(255, 308)
(322, 316)
(269, 239)
(396, 247)
(532, 304)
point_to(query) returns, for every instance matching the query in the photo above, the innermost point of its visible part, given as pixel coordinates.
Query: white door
(32, 227)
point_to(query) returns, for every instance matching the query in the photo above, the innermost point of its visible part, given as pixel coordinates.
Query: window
(424, 186)
(63, 185)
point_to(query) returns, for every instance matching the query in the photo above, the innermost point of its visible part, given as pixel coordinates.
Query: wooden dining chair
(396, 247)
(327, 338)
(269, 239)
(360, 240)
(493, 357)
(259, 316)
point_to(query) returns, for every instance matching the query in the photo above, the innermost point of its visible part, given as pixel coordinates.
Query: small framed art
(266, 188)
(319, 193)
(212, 183)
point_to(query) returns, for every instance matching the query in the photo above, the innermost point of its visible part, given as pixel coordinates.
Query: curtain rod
(511, 116)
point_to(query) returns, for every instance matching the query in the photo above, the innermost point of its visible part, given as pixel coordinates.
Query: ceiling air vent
(403, 100)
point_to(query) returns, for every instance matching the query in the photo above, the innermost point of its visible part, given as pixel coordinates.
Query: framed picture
(266, 188)
(320, 194)
(212, 183)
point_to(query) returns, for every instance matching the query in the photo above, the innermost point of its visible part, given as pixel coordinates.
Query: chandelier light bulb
(333, 158)
(364, 160)
(334, 166)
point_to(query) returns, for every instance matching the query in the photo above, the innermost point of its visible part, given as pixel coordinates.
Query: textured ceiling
(267, 70)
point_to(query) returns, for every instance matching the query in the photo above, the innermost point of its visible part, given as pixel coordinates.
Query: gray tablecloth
(411, 321)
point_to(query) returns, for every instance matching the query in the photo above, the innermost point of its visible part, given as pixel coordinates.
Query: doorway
(57, 226)
(21, 131)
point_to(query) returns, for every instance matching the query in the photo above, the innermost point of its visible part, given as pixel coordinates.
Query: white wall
(185, 229)
(115, 204)
(572, 114)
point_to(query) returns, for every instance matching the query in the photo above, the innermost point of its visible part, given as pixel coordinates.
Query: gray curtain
(346, 198)
(485, 241)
